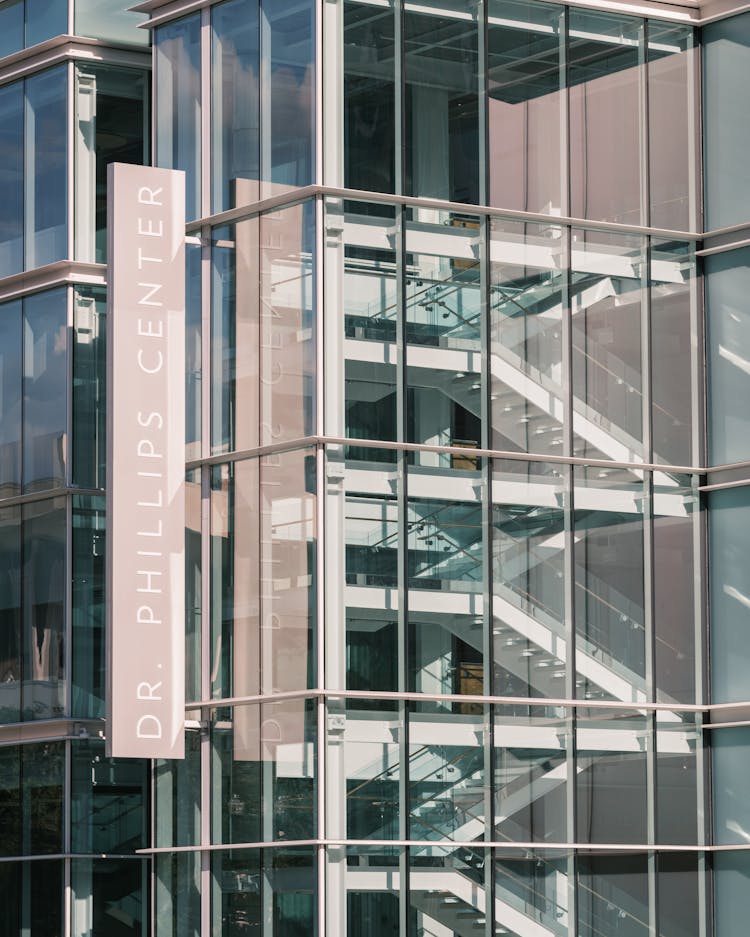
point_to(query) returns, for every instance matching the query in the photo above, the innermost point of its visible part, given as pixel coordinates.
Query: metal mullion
(320, 533)
(205, 616)
(67, 878)
(403, 547)
(205, 99)
(487, 618)
(564, 114)
(483, 89)
(568, 477)
(399, 95)
(643, 108)
(648, 582)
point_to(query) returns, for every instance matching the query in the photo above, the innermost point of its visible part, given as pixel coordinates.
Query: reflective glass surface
(177, 103)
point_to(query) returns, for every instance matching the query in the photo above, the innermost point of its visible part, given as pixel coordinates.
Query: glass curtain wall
(432, 641)
(471, 109)
(34, 177)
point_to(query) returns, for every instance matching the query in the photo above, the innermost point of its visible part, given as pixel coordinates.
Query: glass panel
(677, 805)
(443, 334)
(526, 302)
(523, 72)
(89, 387)
(264, 772)
(678, 891)
(46, 176)
(528, 614)
(729, 544)
(611, 782)
(727, 278)
(109, 20)
(369, 97)
(11, 32)
(530, 789)
(446, 772)
(112, 110)
(31, 790)
(234, 339)
(11, 818)
(675, 574)
(362, 563)
(287, 97)
(109, 896)
(10, 892)
(42, 768)
(441, 877)
(361, 281)
(11, 174)
(363, 771)
(11, 666)
(606, 325)
(89, 545)
(264, 892)
(531, 889)
(235, 112)
(10, 397)
(178, 103)
(44, 609)
(603, 77)
(263, 612)
(31, 898)
(44, 19)
(731, 903)
(371, 878)
(45, 375)
(613, 896)
(726, 123)
(177, 790)
(287, 323)
(193, 580)
(177, 896)
(672, 63)
(731, 809)
(442, 102)
(672, 298)
(275, 386)
(609, 611)
(193, 363)
(109, 800)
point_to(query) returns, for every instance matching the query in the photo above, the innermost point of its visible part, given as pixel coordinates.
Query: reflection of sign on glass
(145, 463)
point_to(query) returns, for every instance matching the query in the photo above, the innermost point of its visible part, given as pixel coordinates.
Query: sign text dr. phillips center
(146, 463)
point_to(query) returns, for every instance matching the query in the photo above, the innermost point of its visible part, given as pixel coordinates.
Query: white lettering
(149, 533)
(152, 194)
(142, 366)
(149, 232)
(150, 419)
(142, 258)
(156, 728)
(149, 574)
(145, 616)
(146, 450)
(147, 691)
(148, 332)
(152, 288)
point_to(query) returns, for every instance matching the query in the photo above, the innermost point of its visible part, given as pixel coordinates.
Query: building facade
(467, 468)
